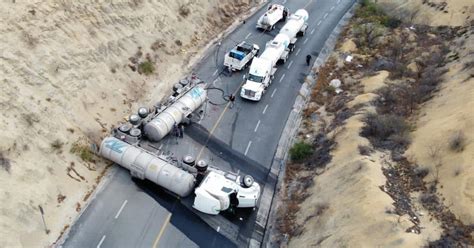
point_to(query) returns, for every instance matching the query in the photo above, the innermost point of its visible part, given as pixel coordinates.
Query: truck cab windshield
(254, 78)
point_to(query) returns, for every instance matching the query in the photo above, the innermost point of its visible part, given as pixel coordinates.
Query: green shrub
(300, 151)
(83, 151)
(390, 22)
(367, 9)
(146, 68)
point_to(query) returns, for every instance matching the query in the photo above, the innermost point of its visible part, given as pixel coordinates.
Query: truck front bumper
(255, 98)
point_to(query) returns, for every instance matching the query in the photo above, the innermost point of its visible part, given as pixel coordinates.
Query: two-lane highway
(130, 213)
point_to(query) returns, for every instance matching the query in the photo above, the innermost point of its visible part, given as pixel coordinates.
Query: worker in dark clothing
(231, 99)
(176, 132)
(308, 59)
(181, 130)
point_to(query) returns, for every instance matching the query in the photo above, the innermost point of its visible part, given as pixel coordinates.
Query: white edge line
(282, 77)
(265, 109)
(256, 127)
(101, 241)
(275, 90)
(121, 208)
(248, 147)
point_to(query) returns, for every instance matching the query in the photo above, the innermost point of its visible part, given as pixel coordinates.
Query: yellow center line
(217, 123)
(162, 230)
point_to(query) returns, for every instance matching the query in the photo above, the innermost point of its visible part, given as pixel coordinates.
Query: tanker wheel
(247, 181)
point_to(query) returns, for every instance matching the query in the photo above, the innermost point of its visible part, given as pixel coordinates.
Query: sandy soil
(351, 210)
(433, 12)
(66, 77)
(450, 112)
(372, 84)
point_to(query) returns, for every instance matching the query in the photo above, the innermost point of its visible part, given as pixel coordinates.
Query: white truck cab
(221, 191)
(259, 78)
(263, 68)
(240, 56)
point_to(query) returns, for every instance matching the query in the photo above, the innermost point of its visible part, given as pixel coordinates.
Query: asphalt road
(128, 213)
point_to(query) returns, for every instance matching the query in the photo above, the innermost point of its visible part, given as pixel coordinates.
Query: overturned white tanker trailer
(174, 114)
(214, 189)
(143, 164)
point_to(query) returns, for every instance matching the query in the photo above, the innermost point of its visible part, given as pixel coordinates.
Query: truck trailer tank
(143, 164)
(295, 23)
(163, 123)
(275, 48)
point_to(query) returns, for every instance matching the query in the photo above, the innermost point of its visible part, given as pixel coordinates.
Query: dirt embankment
(71, 70)
(399, 168)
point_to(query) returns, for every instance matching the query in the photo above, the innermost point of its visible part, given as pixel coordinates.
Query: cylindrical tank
(143, 112)
(189, 160)
(177, 87)
(163, 123)
(201, 166)
(294, 24)
(143, 164)
(125, 128)
(184, 82)
(275, 48)
(134, 119)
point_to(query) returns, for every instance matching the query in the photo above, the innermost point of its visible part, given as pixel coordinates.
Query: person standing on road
(176, 132)
(308, 59)
(181, 130)
(231, 99)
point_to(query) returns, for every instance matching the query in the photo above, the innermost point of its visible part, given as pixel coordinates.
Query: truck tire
(247, 181)
(292, 48)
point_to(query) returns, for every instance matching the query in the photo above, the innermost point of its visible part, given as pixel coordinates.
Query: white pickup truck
(240, 56)
(274, 14)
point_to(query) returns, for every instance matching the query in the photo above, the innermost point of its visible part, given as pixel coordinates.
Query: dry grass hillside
(389, 161)
(70, 70)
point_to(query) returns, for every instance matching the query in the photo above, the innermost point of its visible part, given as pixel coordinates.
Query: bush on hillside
(300, 151)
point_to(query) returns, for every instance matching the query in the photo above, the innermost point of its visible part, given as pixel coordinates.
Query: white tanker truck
(215, 190)
(263, 68)
(296, 25)
(272, 16)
